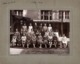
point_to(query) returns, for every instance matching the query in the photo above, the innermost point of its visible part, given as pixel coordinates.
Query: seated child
(64, 41)
(29, 36)
(50, 39)
(45, 40)
(33, 40)
(40, 40)
(55, 40)
(14, 40)
(23, 38)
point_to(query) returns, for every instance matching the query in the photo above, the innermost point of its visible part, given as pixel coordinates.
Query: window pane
(60, 14)
(47, 14)
(66, 14)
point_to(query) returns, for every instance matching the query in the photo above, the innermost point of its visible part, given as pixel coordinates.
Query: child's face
(30, 24)
(24, 24)
(41, 24)
(49, 24)
(16, 29)
(35, 23)
(45, 24)
(50, 34)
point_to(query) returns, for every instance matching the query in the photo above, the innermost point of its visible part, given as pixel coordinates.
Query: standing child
(45, 28)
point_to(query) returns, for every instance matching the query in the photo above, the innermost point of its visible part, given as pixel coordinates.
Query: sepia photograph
(39, 32)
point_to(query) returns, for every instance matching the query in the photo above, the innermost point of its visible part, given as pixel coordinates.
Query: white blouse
(23, 38)
(30, 28)
(49, 28)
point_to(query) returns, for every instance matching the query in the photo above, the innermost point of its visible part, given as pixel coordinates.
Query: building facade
(59, 19)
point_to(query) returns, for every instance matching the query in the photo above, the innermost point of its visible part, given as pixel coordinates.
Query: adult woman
(24, 27)
(49, 27)
(30, 27)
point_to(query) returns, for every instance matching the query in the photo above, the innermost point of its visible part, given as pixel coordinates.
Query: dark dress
(35, 28)
(55, 40)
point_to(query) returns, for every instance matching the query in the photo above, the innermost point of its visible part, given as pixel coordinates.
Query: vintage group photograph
(39, 32)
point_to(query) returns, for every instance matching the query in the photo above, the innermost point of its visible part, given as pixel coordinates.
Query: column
(43, 16)
(17, 13)
(63, 15)
(49, 15)
(57, 15)
(62, 22)
(39, 15)
(24, 13)
(53, 15)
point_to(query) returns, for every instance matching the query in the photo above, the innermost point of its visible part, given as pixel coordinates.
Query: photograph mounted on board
(39, 32)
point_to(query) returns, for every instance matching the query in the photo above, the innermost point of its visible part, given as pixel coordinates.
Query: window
(63, 14)
(46, 14)
(18, 12)
(55, 15)
(66, 14)
(60, 14)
